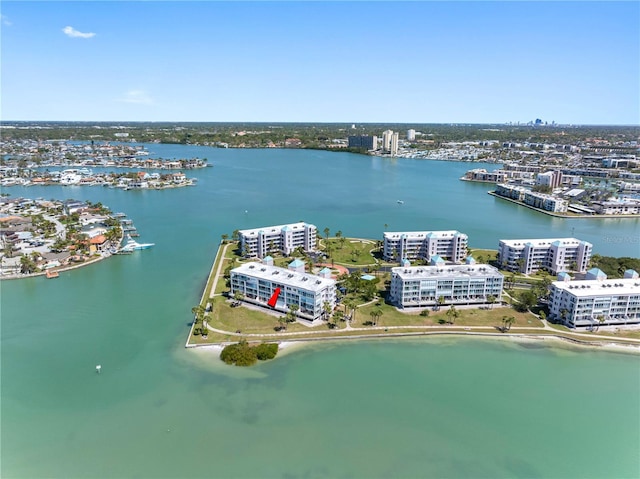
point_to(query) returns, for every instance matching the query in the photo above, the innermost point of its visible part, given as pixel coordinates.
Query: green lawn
(252, 321)
(467, 317)
(350, 251)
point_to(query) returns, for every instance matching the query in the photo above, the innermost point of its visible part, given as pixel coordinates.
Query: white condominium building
(261, 242)
(555, 255)
(259, 282)
(585, 303)
(420, 286)
(451, 245)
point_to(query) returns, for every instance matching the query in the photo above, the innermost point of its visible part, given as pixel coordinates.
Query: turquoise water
(410, 408)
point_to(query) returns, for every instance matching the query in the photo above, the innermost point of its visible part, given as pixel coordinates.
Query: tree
(337, 317)
(293, 309)
(491, 299)
(350, 308)
(441, 301)
(238, 297)
(507, 321)
(225, 237)
(452, 314)
(27, 265)
(198, 311)
(326, 232)
(376, 315)
(326, 310)
(338, 234)
(526, 300)
(235, 235)
(282, 321)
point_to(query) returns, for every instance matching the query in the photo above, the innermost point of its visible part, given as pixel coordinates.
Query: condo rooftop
(287, 277)
(457, 271)
(594, 287)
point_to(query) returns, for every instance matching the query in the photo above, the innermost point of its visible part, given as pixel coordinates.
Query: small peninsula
(366, 301)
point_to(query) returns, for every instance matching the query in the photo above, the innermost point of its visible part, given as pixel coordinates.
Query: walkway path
(220, 263)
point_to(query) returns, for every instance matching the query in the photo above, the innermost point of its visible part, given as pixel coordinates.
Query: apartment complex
(589, 303)
(259, 242)
(555, 255)
(363, 141)
(451, 245)
(260, 283)
(390, 142)
(531, 198)
(420, 286)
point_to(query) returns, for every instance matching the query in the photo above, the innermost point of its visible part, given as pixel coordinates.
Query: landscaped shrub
(241, 354)
(266, 351)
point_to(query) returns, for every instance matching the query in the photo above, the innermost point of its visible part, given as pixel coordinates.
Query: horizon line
(530, 123)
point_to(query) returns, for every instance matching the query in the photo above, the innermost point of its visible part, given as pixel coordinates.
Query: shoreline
(559, 215)
(57, 270)
(291, 345)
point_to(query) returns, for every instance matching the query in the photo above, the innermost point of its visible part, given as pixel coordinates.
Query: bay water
(394, 408)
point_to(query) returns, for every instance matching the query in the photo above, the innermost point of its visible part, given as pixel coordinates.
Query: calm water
(439, 408)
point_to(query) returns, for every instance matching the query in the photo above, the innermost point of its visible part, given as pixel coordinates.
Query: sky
(354, 62)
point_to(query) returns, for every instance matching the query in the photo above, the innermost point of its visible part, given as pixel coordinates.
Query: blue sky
(413, 62)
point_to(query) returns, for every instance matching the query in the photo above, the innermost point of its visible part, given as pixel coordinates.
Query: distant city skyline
(324, 62)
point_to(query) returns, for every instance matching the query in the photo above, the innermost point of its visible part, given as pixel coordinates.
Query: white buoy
(98, 368)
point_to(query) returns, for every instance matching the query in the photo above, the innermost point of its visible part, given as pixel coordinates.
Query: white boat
(132, 245)
(400, 202)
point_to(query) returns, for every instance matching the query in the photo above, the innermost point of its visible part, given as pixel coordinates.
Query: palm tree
(507, 321)
(326, 232)
(27, 265)
(375, 314)
(491, 299)
(282, 321)
(338, 234)
(198, 311)
(337, 316)
(293, 309)
(235, 235)
(225, 237)
(441, 301)
(326, 309)
(452, 314)
(238, 296)
(350, 308)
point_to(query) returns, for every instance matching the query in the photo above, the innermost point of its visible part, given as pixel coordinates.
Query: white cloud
(73, 33)
(139, 97)
(5, 21)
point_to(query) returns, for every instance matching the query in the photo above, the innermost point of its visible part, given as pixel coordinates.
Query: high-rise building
(393, 149)
(386, 140)
(363, 141)
(411, 135)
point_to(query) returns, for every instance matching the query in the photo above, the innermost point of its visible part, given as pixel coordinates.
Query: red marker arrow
(274, 298)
